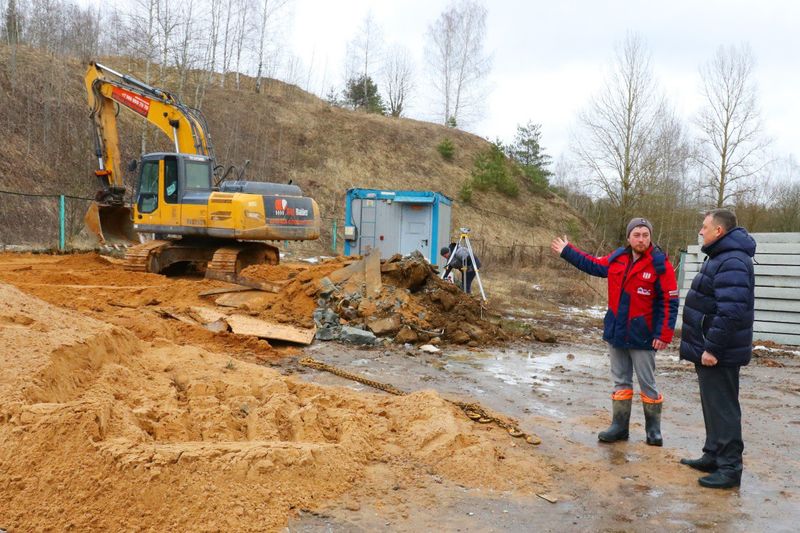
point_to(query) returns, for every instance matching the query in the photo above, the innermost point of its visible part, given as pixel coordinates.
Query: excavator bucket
(111, 224)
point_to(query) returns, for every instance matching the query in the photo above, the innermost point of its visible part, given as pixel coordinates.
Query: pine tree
(362, 93)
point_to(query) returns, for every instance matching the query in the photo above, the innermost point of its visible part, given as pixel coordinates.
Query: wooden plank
(205, 315)
(778, 259)
(776, 237)
(223, 290)
(778, 305)
(252, 298)
(244, 281)
(778, 248)
(778, 281)
(247, 325)
(777, 316)
(781, 293)
(372, 273)
(776, 327)
(770, 270)
(343, 274)
(780, 338)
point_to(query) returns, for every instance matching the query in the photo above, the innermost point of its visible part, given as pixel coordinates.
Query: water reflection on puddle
(521, 368)
(524, 368)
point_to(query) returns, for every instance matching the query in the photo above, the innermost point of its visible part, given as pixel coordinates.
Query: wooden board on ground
(344, 274)
(205, 315)
(238, 299)
(372, 273)
(268, 286)
(246, 325)
(223, 290)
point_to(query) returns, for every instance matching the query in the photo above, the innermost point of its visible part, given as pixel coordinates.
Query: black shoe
(704, 464)
(621, 416)
(718, 480)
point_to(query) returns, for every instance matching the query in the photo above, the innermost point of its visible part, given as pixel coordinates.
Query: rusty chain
(473, 411)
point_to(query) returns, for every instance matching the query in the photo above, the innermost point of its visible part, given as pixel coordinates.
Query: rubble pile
(409, 304)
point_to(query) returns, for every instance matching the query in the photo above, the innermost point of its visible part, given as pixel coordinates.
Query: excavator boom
(108, 217)
(196, 217)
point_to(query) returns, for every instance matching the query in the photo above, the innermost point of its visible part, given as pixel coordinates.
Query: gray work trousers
(625, 360)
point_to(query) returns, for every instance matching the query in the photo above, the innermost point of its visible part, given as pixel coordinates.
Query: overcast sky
(550, 57)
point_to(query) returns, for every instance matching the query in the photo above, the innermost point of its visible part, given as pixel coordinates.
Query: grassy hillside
(287, 134)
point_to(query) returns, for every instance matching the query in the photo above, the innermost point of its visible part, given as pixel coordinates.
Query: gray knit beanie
(636, 222)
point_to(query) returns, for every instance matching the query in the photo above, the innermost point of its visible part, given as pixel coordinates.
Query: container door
(416, 229)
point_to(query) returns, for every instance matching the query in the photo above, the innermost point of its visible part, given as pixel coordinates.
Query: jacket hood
(735, 239)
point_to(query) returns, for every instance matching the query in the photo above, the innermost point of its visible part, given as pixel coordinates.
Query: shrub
(491, 170)
(465, 193)
(446, 149)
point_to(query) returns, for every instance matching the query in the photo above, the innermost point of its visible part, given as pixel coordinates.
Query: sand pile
(102, 430)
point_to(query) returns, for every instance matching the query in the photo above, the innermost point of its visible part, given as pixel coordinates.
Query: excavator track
(220, 261)
(229, 261)
(144, 257)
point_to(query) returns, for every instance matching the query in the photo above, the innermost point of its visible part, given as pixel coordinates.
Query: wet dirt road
(561, 393)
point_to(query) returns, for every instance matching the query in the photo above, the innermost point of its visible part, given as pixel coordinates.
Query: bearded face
(639, 239)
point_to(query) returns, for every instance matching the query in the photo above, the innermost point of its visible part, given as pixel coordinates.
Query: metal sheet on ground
(245, 325)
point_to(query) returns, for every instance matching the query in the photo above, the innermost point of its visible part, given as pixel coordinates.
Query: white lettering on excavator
(138, 103)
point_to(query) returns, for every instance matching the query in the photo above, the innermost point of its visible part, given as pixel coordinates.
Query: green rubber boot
(620, 420)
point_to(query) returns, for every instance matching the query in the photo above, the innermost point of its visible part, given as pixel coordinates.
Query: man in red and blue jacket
(642, 308)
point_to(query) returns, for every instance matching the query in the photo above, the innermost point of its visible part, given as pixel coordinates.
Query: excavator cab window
(198, 175)
(148, 187)
(170, 180)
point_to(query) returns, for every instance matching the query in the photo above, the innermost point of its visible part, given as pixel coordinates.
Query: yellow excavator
(183, 198)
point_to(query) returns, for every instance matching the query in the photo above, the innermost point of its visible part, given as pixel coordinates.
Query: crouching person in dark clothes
(642, 308)
(718, 338)
(461, 261)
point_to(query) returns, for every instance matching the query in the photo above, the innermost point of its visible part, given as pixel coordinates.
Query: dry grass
(541, 288)
(285, 132)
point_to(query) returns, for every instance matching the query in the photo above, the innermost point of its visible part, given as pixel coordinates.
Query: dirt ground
(114, 415)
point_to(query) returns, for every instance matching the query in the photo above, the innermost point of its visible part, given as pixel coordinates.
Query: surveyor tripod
(463, 242)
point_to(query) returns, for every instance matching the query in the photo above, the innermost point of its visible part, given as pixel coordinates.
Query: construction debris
(401, 298)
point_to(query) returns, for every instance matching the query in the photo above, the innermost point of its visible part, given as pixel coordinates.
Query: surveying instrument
(463, 242)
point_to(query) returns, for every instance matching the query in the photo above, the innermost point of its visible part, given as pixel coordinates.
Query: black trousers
(719, 396)
(466, 280)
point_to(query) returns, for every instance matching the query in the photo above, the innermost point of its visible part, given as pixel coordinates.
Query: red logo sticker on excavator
(140, 104)
(280, 205)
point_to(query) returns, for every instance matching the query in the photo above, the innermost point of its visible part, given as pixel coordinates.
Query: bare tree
(731, 144)
(364, 50)
(145, 34)
(210, 63)
(183, 51)
(167, 21)
(620, 128)
(228, 32)
(12, 33)
(241, 34)
(458, 63)
(398, 79)
(267, 11)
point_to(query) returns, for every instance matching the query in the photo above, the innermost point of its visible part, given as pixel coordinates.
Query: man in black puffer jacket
(717, 337)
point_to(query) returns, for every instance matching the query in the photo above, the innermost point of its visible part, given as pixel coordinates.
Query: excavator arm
(108, 91)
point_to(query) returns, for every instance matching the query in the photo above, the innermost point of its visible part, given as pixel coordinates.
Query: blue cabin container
(396, 222)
